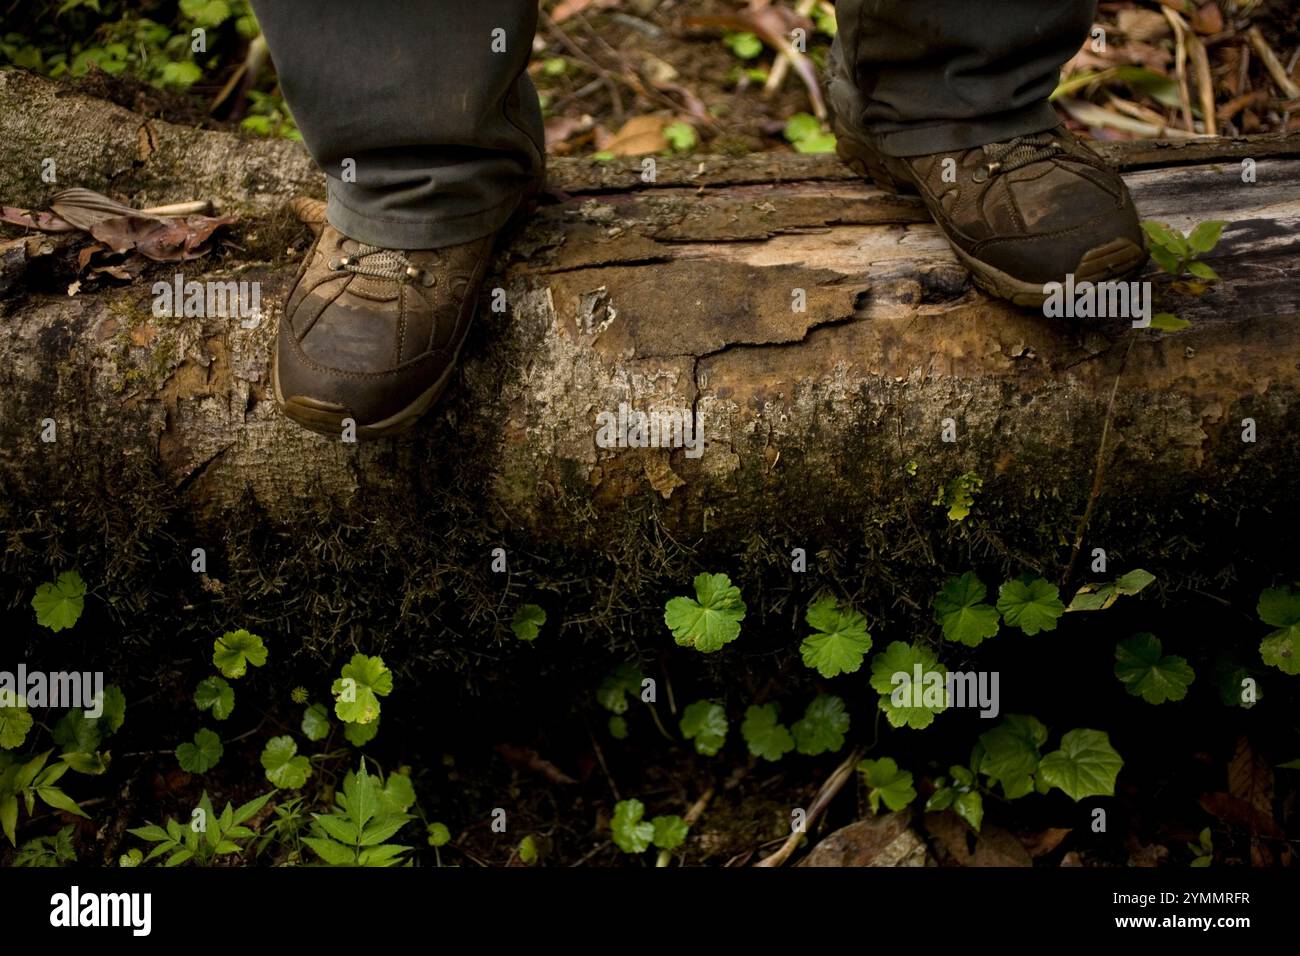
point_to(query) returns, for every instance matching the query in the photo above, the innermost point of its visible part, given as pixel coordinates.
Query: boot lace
(380, 263)
(1020, 151)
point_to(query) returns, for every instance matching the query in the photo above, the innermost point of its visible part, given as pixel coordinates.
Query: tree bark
(677, 294)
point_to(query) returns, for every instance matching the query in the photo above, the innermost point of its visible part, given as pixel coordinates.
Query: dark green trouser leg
(929, 76)
(441, 122)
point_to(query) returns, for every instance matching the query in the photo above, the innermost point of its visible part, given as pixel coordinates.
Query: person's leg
(925, 77)
(950, 99)
(430, 103)
(429, 132)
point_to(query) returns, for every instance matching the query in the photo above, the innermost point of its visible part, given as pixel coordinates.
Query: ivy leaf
(1031, 604)
(631, 833)
(840, 640)
(357, 692)
(1281, 608)
(216, 695)
(235, 650)
(1009, 754)
(765, 737)
(284, 767)
(823, 726)
(201, 755)
(712, 619)
(59, 604)
(316, 722)
(669, 832)
(887, 783)
(959, 609)
(1140, 665)
(15, 722)
(528, 621)
(705, 722)
(906, 702)
(1085, 766)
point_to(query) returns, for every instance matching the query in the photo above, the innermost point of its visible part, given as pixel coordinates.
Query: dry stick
(608, 77)
(202, 207)
(1099, 470)
(1180, 65)
(1272, 64)
(825, 795)
(1204, 84)
(692, 817)
(781, 65)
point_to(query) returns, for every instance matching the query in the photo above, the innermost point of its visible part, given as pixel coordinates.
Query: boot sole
(1115, 259)
(326, 418)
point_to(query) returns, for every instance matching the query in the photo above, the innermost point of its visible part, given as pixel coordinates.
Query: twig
(781, 65)
(843, 773)
(1180, 65)
(1099, 470)
(1272, 64)
(1204, 84)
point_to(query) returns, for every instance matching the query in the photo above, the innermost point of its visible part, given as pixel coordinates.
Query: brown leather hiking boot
(373, 334)
(1020, 213)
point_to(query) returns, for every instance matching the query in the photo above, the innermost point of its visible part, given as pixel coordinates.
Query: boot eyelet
(981, 174)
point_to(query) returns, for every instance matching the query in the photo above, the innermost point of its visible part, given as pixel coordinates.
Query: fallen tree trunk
(675, 295)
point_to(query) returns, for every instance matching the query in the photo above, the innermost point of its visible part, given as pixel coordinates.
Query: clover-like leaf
(235, 650)
(709, 621)
(316, 722)
(1031, 604)
(1147, 673)
(356, 693)
(59, 604)
(215, 694)
(284, 767)
(1086, 765)
(822, 727)
(1009, 754)
(438, 833)
(912, 684)
(358, 735)
(888, 783)
(705, 722)
(614, 690)
(631, 833)
(1280, 607)
(959, 609)
(76, 733)
(669, 832)
(201, 755)
(528, 621)
(764, 735)
(15, 721)
(840, 639)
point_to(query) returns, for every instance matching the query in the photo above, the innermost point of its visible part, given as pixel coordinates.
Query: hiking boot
(372, 334)
(1020, 213)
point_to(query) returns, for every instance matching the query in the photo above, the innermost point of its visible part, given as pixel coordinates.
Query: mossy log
(677, 294)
